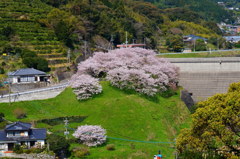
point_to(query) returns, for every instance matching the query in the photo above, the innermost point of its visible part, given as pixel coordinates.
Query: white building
(27, 75)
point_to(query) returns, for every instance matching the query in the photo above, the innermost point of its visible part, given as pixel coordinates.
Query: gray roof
(34, 134)
(232, 38)
(26, 71)
(18, 126)
(194, 37)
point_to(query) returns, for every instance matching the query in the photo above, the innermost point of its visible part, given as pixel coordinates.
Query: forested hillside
(47, 29)
(208, 9)
(23, 34)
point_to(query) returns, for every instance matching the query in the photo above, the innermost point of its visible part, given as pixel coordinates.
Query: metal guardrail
(35, 91)
(197, 52)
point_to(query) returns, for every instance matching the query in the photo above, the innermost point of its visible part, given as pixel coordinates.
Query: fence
(61, 86)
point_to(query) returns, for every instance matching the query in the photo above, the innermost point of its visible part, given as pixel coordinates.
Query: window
(10, 134)
(27, 79)
(17, 133)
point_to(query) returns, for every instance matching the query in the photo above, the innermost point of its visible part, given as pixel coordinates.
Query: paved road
(37, 94)
(205, 77)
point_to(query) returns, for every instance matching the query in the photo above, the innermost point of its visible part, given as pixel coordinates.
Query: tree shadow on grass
(166, 94)
(154, 99)
(59, 120)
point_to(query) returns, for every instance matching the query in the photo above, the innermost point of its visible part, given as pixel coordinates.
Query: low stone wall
(27, 156)
(27, 86)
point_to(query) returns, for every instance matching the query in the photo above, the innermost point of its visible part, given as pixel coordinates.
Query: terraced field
(24, 16)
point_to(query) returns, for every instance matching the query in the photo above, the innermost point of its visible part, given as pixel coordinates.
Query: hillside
(208, 9)
(50, 28)
(124, 115)
(24, 19)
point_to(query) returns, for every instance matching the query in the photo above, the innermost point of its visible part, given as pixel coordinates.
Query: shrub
(85, 86)
(2, 71)
(81, 152)
(19, 113)
(110, 147)
(2, 117)
(58, 144)
(42, 64)
(8, 31)
(4, 63)
(91, 135)
(17, 149)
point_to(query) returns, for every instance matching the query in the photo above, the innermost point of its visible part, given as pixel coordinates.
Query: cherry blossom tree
(132, 68)
(85, 86)
(91, 135)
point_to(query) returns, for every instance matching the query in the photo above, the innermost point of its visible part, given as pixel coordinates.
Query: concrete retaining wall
(205, 77)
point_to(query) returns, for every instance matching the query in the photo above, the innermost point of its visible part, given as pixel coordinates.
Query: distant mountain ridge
(209, 9)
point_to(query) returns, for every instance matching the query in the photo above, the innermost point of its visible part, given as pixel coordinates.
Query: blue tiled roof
(26, 71)
(3, 136)
(34, 134)
(18, 126)
(194, 37)
(38, 134)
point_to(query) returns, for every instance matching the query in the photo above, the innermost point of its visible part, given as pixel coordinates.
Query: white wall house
(27, 75)
(22, 134)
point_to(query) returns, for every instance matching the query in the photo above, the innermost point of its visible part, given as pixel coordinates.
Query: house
(232, 39)
(192, 38)
(27, 75)
(22, 134)
(130, 45)
(187, 50)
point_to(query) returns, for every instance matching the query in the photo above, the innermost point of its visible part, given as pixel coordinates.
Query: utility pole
(111, 43)
(9, 90)
(85, 49)
(69, 55)
(134, 41)
(144, 42)
(9, 93)
(66, 132)
(194, 45)
(126, 39)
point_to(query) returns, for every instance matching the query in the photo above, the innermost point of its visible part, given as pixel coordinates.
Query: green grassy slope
(123, 115)
(23, 16)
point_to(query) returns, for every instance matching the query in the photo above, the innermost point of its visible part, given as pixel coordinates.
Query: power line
(149, 142)
(130, 139)
(139, 141)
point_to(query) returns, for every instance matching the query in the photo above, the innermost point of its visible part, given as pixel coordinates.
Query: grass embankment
(123, 115)
(203, 55)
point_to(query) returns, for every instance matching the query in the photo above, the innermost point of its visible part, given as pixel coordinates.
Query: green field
(203, 55)
(124, 115)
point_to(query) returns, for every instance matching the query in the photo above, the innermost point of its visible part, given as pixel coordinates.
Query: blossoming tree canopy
(91, 135)
(85, 86)
(132, 68)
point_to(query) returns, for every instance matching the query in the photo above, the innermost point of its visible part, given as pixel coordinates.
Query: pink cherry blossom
(132, 68)
(85, 86)
(91, 135)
